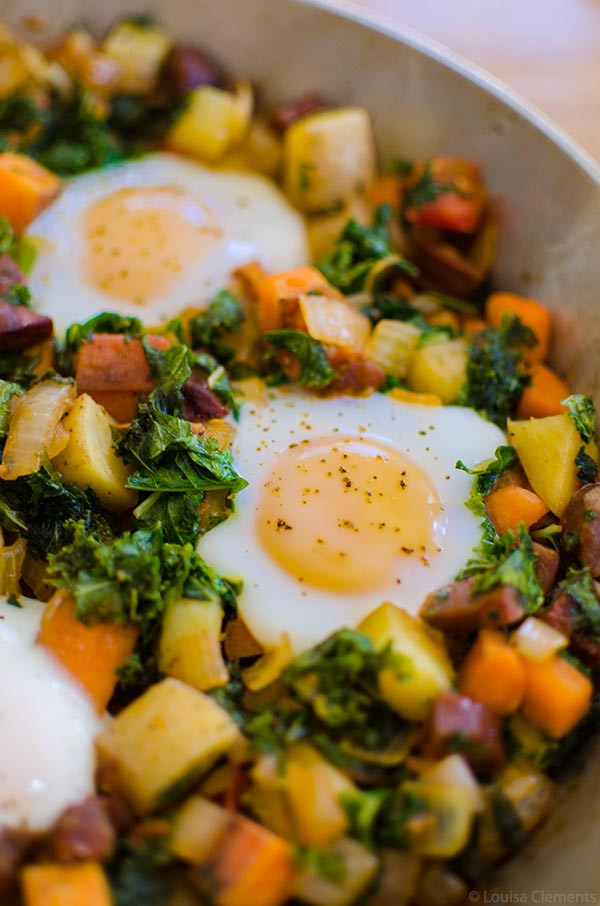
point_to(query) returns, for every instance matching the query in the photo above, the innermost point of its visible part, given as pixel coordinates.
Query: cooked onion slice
(335, 322)
(11, 562)
(33, 426)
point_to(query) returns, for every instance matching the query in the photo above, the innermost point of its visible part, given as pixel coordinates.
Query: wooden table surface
(548, 50)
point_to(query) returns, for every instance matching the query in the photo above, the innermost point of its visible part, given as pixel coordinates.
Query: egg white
(256, 221)
(273, 601)
(47, 726)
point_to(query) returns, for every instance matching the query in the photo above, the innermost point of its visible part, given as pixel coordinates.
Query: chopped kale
(582, 413)
(580, 586)
(320, 862)
(73, 138)
(19, 367)
(20, 249)
(141, 873)
(315, 368)
(18, 294)
(224, 315)
(393, 308)
(171, 369)
(425, 190)
(507, 560)
(587, 468)
(486, 475)
(18, 112)
(41, 507)
(139, 121)
(358, 250)
(8, 389)
(494, 379)
(329, 695)
(436, 333)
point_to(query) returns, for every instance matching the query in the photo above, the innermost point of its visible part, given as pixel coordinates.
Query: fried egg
(350, 502)
(150, 237)
(47, 726)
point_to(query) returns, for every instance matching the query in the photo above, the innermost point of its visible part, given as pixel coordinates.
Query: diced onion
(335, 322)
(268, 667)
(454, 771)
(33, 425)
(537, 640)
(11, 562)
(391, 345)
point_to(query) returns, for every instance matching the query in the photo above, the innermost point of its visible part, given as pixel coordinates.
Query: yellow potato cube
(190, 644)
(328, 157)
(314, 787)
(165, 739)
(439, 368)
(140, 51)
(392, 345)
(547, 448)
(359, 868)
(213, 121)
(89, 460)
(424, 669)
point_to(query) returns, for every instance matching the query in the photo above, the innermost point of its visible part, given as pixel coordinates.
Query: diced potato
(314, 787)
(328, 157)
(358, 867)
(89, 460)
(169, 736)
(267, 668)
(213, 122)
(190, 644)
(242, 862)
(140, 51)
(424, 669)
(530, 792)
(547, 448)
(391, 345)
(323, 230)
(439, 368)
(335, 322)
(452, 811)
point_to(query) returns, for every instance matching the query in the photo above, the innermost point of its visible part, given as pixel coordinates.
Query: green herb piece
(393, 308)
(582, 413)
(580, 586)
(364, 808)
(426, 190)
(23, 252)
(495, 380)
(142, 873)
(14, 601)
(18, 294)
(8, 389)
(315, 368)
(171, 369)
(486, 474)
(401, 166)
(324, 863)
(358, 249)
(17, 113)
(224, 315)
(507, 560)
(6, 235)
(587, 468)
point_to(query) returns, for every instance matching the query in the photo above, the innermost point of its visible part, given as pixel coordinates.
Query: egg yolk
(139, 240)
(346, 514)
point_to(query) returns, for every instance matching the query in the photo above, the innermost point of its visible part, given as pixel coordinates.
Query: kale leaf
(141, 873)
(224, 315)
(315, 368)
(358, 250)
(587, 468)
(329, 695)
(507, 560)
(580, 586)
(582, 413)
(42, 506)
(494, 379)
(486, 474)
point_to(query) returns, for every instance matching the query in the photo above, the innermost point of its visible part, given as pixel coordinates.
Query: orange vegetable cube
(26, 188)
(557, 695)
(284, 290)
(65, 885)
(531, 313)
(544, 394)
(512, 505)
(493, 673)
(91, 654)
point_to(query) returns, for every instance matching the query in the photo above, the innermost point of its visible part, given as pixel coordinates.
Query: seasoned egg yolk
(139, 240)
(346, 514)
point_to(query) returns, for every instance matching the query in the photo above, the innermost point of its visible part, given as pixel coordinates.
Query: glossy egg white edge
(256, 221)
(272, 602)
(47, 726)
